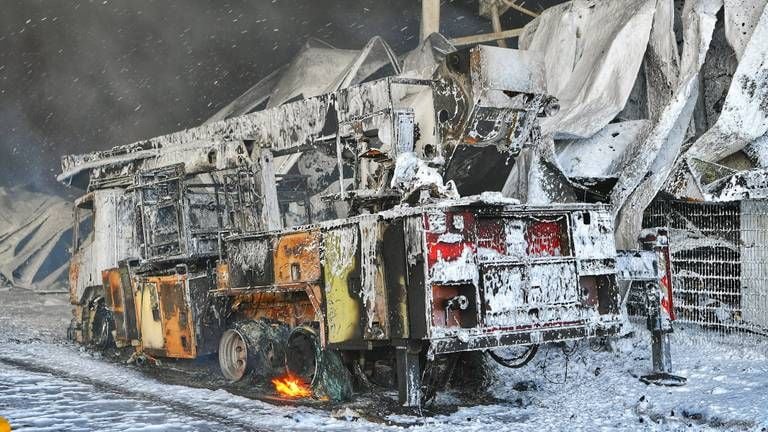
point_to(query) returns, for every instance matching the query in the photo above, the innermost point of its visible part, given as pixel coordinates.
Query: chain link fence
(719, 262)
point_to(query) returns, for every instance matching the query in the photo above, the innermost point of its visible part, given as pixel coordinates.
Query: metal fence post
(660, 313)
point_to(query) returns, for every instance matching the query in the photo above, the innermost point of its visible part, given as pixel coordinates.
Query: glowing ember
(292, 387)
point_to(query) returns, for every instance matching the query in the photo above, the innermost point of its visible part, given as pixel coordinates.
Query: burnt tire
(323, 369)
(101, 328)
(253, 348)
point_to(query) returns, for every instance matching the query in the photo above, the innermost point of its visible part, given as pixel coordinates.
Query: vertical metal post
(430, 17)
(270, 209)
(660, 314)
(340, 163)
(660, 328)
(496, 24)
(408, 374)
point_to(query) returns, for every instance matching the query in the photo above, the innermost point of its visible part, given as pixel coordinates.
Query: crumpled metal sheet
(33, 239)
(423, 61)
(592, 50)
(318, 68)
(599, 156)
(536, 177)
(741, 18)
(648, 168)
(744, 117)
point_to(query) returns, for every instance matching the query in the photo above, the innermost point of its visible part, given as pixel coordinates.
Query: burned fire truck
(203, 242)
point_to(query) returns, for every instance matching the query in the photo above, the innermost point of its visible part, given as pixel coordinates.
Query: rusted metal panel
(149, 317)
(179, 339)
(297, 258)
(222, 276)
(373, 292)
(415, 250)
(251, 261)
(396, 277)
(165, 320)
(293, 307)
(113, 295)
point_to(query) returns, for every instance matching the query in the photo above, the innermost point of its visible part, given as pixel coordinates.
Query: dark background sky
(77, 76)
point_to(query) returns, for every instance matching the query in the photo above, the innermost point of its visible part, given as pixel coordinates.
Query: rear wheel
(323, 369)
(253, 347)
(233, 355)
(303, 352)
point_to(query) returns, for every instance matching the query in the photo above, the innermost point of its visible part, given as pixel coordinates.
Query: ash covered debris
(34, 236)
(335, 210)
(647, 89)
(327, 207)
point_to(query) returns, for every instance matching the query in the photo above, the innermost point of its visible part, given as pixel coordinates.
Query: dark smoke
(77, 76)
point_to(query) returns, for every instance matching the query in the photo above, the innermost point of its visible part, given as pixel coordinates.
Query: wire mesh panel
(719, 253)
(754, 264)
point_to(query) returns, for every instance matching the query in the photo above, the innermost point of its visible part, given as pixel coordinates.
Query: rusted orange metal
(222, 276)
(297, 258)
(174, 314)
(293, 308)
(113, 294)
(74, 273)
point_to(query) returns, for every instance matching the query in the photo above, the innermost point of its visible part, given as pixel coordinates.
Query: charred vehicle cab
(321, 237)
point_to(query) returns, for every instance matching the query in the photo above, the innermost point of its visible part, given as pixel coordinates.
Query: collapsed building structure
(339, 209)
(668, 100)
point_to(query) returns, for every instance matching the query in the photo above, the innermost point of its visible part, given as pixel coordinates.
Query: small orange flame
(292, 387)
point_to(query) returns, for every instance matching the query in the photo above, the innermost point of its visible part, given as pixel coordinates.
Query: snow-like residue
(532, 295)
(340, 249)
(725, 392)
(368, 266)
(450, 238)
(593, 239)
(751, 184)
(249, 254)
(584, 45)
(462, 269)
(744, 116)
(693, 238)
(412, 173)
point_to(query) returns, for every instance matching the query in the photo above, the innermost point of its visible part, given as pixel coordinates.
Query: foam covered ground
(46, 382)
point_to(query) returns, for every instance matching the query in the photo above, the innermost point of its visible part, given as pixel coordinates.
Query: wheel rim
(233, 355)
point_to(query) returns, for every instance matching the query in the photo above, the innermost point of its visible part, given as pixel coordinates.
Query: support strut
(409, 373)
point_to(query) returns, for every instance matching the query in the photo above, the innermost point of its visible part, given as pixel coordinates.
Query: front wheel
(102, 327)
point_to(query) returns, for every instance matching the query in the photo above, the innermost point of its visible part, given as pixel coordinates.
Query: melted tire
(322, 368)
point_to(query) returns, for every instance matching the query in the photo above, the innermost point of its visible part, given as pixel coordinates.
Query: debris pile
(34, 238)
